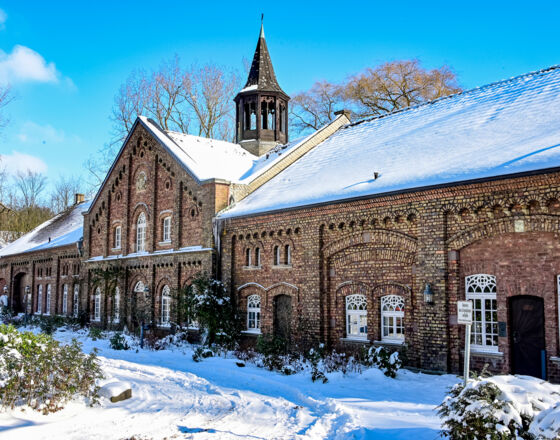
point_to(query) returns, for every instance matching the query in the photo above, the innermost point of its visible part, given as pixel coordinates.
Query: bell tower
(261, 106)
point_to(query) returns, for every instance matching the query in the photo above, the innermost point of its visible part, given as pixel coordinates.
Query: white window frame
(141, 233)
(97, 305)
(258, 256)
(392, 318)
(167, 229)
(76, 301)
(248, 257)
(253, 314)
(118, 235)
(117, 305)
(40, 299)
(48, 300)
(482, 287)
(165, 306)
(288, 254)
(356, 316)
(65, 299)
(277, 254)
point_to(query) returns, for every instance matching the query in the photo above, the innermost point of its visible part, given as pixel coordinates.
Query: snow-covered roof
(502, 128)
(63, 229)
(214, 159)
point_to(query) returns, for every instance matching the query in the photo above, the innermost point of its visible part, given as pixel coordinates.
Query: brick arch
(531, 223)
(377, 238)
(370, 253)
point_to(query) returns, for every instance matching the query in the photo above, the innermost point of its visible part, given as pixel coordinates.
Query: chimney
(78, 198)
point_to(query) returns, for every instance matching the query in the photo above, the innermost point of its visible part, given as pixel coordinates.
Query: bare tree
(209, 90)
(316, 107)
(30, 185)
(396, 85)
(62, 196)
(5, 98)
(195, 100)
(373, 92)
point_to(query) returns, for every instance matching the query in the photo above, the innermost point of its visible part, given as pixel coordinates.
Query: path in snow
(176, 398)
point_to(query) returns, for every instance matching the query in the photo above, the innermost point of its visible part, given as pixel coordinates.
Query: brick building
(359, 233)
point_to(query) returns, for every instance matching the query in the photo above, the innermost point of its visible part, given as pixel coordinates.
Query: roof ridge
(453, 95)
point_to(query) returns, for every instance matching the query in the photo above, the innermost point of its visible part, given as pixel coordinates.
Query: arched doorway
(527, 335)
(18, 294)
(283, 316)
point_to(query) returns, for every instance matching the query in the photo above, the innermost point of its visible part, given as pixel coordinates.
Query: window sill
(555, 359)
(390, 342)
(358, 340)
(486, 353)
(165, 243)
(252, 267)
(251, 332)
(282, 266)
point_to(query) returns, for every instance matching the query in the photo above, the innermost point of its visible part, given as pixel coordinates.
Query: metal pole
(142, 335)
(467, 352)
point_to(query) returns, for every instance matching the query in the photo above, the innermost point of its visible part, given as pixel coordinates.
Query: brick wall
(400, 243)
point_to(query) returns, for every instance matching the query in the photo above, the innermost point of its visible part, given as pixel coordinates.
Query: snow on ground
(174, 397)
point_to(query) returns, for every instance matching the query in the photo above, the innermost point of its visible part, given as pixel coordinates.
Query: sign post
(464, 317)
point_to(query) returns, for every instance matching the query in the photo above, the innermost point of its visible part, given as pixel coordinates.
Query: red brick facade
(508, 228)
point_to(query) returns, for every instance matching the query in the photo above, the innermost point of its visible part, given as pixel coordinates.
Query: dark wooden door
(282, 316)
(527, 335)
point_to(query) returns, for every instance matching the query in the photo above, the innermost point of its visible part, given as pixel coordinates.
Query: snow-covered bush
(37, 371)
(501, 408)
(202, 353)
(383, 359)
(119, 342)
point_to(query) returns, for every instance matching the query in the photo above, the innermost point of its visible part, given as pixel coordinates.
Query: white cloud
(3, 18)
(26, 65)
(21, 162)
(33, 133)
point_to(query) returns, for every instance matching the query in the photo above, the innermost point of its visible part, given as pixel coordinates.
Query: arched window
(141, 233)
(258, 257)
(48, 301)
(276, 255)
(97, 305)
(118, 231)
(117, 305)
(40, 299)
(247, 257)
(288, 254)
(392, 318)
(254, 314)
(139, 287)
(167, 229)
(76, 303)
(481, 289)
(165, 305)
(356, 316)
(65, 299)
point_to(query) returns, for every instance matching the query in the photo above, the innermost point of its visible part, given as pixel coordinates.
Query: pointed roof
(261, 76)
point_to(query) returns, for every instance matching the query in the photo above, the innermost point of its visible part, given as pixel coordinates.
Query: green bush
(95, 333)
(37, 371)
(49, 324)
(119, 342)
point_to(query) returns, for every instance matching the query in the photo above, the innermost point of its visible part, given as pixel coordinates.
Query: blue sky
(66, 60)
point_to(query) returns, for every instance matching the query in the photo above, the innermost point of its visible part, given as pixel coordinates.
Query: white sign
(464, 312)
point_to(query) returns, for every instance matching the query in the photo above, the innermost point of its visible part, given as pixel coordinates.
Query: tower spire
(262, 105)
